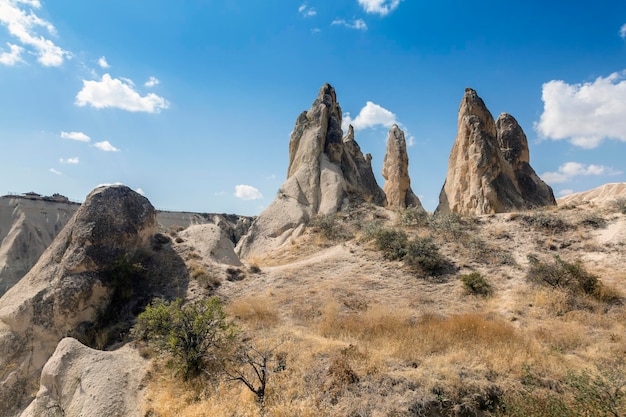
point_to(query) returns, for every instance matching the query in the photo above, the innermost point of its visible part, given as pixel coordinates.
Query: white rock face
(79, 381)
(325, 172)
(396, 173)
(27, 227)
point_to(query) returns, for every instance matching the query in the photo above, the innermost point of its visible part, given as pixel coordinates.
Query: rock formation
(29, 223)
(79, 381)
(514, 146)
(480, 180)
(100, 270)
(325, 172)
(211, 243)
(396, 173)
(27, 227)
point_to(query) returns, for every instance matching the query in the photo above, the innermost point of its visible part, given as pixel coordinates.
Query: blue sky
(192, 103)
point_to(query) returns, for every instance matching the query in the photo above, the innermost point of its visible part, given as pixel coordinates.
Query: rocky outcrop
(80, 381)
(100, 270)
(211, 243)
(361, 184)
(514, 145)
(396, 173)
(480, 180)
(326, 172)
(29, 223)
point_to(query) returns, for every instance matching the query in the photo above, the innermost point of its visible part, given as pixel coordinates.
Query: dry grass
(360, 335)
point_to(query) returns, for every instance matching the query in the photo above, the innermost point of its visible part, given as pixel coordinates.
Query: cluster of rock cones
(488, 172)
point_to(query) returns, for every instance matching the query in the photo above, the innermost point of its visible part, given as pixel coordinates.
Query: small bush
(192, 334)
(392, 242)
(546, 222)
(593, 220)
(414, 217)
(423, 255)
(561, 274)
(619, 205)
(476, 284)
(452, 225)
(330, 228)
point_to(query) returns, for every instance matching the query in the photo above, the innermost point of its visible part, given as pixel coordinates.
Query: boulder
(212, 243)
(80, 381)
(480, 180)
(396, 173)
(326, 172)
(103, 267)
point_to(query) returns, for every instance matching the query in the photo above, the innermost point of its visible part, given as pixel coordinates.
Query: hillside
(358, 334)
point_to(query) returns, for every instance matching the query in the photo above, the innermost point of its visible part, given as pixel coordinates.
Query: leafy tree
(193, 334)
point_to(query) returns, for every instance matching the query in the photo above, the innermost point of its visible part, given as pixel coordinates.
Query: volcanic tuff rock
(396, 172)
(29, 224)
(325, 172)
(27, 227)
(514, 146)
(104, 265)
(480, 179)
(80, 381)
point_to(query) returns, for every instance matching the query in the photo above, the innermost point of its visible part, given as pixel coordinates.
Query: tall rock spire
(396, 172)
(480, 179)
(325, 172)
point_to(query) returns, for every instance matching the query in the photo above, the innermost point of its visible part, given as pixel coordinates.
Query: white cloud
(118, 93)
(54, 171)
(105, 146)
(307, 11)
(247, 192)
(622, 31)
(586, 113)
(30, 30)
(381, 7)
(371, 115)
(140, 191)
(13, 57)
(73, 161)
(569, 170)
(103, 63)
(316, 30)
(565, 192)
(79, 136)
(358, 24)
(152, 81)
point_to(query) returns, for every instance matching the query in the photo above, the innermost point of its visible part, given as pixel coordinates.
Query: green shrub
(602, 394)
(486, 253)
(392, 242)
(476, 284)
(561, 274)
(423, 255)
(192, 334)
